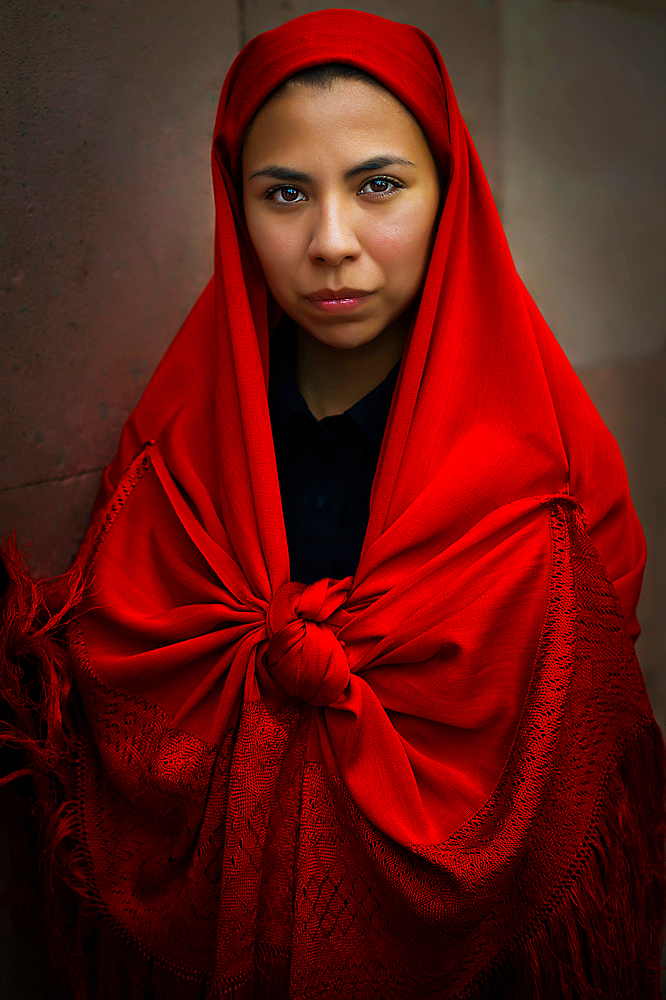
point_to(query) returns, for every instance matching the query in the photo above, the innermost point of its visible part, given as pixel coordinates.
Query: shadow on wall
(106, 238)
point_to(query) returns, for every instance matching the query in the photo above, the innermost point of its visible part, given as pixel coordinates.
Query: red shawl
(431, 779)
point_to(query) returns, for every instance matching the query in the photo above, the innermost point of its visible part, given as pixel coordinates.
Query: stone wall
(583, 161)
(106, 232)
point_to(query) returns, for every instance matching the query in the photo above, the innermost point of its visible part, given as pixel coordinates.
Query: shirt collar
(284, 399)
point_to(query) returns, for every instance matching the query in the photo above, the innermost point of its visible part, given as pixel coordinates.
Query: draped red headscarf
(388, 785)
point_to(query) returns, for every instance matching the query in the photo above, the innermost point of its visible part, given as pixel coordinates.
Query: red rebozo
(439, 778)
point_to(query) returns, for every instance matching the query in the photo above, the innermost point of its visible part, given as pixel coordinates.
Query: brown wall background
(106, 232)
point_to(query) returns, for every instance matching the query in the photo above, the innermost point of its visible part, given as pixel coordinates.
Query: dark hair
(323, 77)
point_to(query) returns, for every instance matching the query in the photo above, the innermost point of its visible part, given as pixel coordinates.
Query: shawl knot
(304, 654)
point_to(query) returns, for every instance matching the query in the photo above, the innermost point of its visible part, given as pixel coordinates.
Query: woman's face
(341, 198)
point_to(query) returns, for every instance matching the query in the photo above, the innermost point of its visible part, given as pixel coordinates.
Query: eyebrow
(289, 174)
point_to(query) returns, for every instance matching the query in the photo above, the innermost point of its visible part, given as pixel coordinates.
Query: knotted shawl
(438, 778)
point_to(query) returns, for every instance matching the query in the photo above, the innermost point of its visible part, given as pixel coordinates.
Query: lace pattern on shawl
(242, 870)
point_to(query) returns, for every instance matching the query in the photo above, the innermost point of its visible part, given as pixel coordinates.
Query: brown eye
(285, 195)
(380, 187)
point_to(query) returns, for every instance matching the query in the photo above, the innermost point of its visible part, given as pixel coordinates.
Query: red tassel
(36, 727)
(29, 645)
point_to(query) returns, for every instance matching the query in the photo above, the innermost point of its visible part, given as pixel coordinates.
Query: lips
(331, 294)
(339, 300)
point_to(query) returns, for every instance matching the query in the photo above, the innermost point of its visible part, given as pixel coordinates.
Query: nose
(333, 238)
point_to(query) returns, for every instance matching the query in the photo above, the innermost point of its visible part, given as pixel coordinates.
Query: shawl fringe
(600, 937)
(38, 733)
(36, 682)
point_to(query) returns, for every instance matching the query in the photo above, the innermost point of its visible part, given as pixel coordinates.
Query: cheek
(278, 250)
(402, 247)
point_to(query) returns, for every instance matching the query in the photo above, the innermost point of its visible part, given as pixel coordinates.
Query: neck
(331, 379)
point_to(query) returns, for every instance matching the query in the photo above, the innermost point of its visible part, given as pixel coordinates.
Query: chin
(344, 341)
(344, 336)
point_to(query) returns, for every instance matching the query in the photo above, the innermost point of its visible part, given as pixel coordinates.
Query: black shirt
(325, 467)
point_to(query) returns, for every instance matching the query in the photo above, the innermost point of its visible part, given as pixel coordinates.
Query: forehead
(348, 116)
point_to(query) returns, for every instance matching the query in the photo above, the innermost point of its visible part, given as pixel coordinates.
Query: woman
(355, 709)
